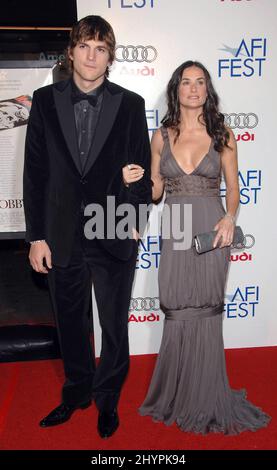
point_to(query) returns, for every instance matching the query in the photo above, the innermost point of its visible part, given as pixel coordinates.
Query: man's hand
(38, 252)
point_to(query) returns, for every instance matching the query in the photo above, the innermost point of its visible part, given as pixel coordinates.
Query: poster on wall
(17, 83)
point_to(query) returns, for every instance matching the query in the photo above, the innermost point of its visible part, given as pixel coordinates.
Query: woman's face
(193, 88)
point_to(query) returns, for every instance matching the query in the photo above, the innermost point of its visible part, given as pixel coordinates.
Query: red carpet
(30, 390)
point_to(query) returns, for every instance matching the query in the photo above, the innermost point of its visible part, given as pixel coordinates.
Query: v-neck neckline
(178, 164)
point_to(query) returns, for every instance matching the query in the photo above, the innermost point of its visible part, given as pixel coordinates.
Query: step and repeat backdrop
(237, 41)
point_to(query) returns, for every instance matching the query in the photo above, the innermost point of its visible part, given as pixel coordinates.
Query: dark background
(24, 295)
(57, 13)
(29, 28)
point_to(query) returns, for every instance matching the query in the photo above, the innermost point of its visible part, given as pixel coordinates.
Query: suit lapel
(110, 106)
(65, 111)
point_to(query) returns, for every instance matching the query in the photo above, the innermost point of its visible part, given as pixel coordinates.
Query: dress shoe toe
(61, 414)
(108, 423)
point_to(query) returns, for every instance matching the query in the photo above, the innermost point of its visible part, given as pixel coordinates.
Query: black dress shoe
(108, 423)
(61, 414)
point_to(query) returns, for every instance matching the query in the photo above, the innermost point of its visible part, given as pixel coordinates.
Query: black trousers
(70, 289)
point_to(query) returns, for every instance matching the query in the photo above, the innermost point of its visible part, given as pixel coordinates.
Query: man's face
(90, 59)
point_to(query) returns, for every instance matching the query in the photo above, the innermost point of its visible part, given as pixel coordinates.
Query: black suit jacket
(54, 185)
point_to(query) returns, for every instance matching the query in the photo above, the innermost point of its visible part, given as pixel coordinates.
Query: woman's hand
(132, 173)
(225, 231)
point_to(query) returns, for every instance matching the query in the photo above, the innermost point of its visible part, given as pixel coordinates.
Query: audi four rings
(145, 303)
(135, 53)
(250, 239)
(241, 120)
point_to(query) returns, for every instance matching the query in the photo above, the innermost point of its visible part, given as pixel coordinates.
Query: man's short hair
(92, 27)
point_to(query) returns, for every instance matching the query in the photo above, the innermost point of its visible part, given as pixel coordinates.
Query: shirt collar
(96, 92)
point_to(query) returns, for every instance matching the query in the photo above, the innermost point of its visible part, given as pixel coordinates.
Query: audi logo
(135, 53)
(248, 241)
(241, 120)
(145, 303)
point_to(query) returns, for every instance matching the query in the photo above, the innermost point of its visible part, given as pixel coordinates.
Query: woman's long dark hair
(213, 119)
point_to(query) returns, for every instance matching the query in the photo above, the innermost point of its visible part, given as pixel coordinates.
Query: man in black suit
(80, 135)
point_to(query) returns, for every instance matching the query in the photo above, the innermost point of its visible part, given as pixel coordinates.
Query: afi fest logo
(243, 302)
(250, 182)
(131, 3)
(247, 59)
(149, 252)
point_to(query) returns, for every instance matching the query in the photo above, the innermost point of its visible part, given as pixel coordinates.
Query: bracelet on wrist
(230, 216)
(36, 241)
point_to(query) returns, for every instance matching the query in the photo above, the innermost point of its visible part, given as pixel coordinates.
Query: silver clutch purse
(203, 242)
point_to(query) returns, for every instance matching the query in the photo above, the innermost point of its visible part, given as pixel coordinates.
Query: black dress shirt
(86, 118)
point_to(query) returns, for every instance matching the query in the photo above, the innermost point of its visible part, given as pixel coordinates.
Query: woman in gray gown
(189, 385)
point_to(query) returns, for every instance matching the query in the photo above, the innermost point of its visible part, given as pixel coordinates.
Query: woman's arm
(156, 150)
(226, 225)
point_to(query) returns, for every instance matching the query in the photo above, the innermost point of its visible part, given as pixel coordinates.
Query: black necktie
(77, 97)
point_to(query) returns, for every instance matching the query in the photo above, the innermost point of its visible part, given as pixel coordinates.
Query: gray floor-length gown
(189, 385)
